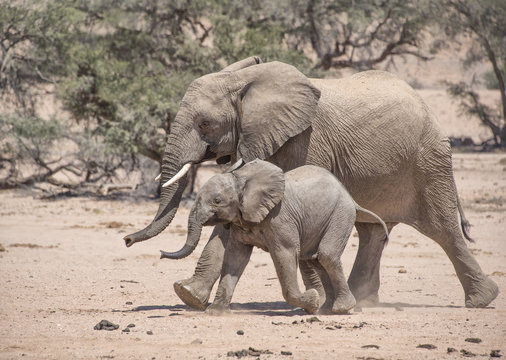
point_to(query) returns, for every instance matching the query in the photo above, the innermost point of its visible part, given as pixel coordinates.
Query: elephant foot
(192, 294)
(326, 308)
(482, 293)
(370, 300)
(310, 301)
(344, 303)
(217, 309)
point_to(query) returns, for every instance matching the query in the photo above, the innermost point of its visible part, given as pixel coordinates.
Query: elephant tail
(369, 212)
(464, 223)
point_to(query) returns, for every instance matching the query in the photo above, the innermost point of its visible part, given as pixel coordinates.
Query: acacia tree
(120, 68)
(359, 34)
(484, 22)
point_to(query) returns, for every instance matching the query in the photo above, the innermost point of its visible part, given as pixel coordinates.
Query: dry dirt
(64, 268)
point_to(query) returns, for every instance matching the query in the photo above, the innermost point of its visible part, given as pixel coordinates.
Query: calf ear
(263, 187)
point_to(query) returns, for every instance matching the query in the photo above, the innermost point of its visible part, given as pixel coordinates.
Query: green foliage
(484, 22)
(119, 68)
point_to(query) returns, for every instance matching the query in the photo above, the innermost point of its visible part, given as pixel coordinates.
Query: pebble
(427, 346)
(495, 353)
(467, 353)
(473, 340)
(313, 319)
(149, 332)
(240, 332)
(106, 325)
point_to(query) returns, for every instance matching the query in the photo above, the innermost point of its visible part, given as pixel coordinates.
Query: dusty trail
(65, 268)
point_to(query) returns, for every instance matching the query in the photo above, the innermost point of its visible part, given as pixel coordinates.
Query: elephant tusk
(179, 175)
(236, 165)
(157, 178)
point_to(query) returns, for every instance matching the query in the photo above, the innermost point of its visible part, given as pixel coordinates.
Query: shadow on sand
(278, 308)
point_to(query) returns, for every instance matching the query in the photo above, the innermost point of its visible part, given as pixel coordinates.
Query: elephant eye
(204, 124)
(217, 200)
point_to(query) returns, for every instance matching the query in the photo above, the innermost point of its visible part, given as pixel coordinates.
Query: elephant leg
(285, 262)
(437, 214)
(315, 277)
(479, 289)
(439, 222)
(329, 256)
(364, 280)
(195, 291)
(236, 258)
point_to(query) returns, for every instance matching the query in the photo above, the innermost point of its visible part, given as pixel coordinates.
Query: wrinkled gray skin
(371, 130)
(304, 215)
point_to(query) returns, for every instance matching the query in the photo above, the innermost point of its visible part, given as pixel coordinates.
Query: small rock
(129, 303)
(286, 353)
(427, 346)
(403, 271)
(106, 325)
(372, 346)
(149, 332)
(474, 340)
(2, 249)
(330, 328)
(131, 325)
(495, 353)
(313, 319)
(126, 330)
(450, 350)
(360, 325)
(467, 353)
(240, 332)
(250, 352)
(277, 323)
(197, 341)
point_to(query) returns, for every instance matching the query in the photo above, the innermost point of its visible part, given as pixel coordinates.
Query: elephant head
(248, 110)
(243, 197)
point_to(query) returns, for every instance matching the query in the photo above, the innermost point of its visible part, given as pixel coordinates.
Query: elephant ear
(276, 102)
(263, 187)
(253, 60)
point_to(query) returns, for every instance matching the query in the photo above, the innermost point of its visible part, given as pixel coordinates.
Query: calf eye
(217, 200)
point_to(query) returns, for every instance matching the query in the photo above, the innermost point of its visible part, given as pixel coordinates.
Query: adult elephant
(371, 130)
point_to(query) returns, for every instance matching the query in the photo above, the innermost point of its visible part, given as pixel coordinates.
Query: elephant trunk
(194, 231)
(183, 146)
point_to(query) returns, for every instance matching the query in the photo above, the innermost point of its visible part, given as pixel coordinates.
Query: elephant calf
(303, 215)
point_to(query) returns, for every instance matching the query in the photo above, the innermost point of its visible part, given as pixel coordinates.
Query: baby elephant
(303, 215)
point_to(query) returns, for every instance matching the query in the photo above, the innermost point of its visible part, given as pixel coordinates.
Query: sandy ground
(64, 268)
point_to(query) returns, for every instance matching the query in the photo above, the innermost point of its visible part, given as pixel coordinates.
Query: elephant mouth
(224, 159)
(209, 155)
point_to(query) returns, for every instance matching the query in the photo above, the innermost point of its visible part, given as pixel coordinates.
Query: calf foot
(344, 303)
(310, 301)
(192, 293)
(482, 293)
